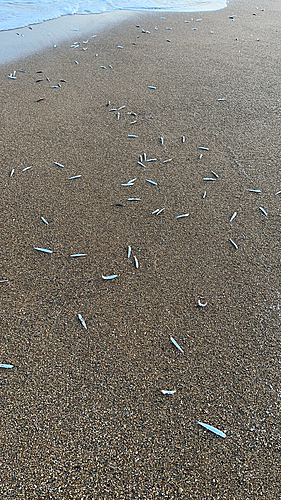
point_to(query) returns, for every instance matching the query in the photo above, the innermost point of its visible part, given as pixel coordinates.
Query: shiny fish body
(78, 255)
(109, 277)
(74, 177)
(82, 321)
(212, 429)
(44, 250)
(58, 164)
(182, 216)
(168, 392)
(177, 345)
(136, 262)
(233, 216)
(6, 366)
(44, 220)
(151, 182)
(263, 210)
(129, 251)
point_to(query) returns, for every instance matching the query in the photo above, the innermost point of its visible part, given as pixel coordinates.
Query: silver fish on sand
(132, 136)
(78, 255)
(26, 168)
(278, 192)
(74, 177)
(151, 182)
(209, 179)
(263, 210)
(233, 217)
(12, 172)
(152, 87)
(129, 251)
(141, 164)
(204, 195)
(182, 216)
(233, 243)
(204, 149)
(44, 220)
(134, 199)
(6, 366)
(44, 250)
(177, 345)
(254, 190)
(136, 262)
(59, 164)
(212, 429)
(202, 304)
(82, 321)
(214, 173)
(168, 392)
(111, 277)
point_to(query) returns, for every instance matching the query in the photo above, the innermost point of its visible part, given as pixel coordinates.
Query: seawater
(20, 13)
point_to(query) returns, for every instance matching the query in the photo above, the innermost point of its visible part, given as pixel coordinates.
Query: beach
(190, 102)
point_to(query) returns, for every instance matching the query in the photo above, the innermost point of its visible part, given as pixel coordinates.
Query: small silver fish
(6, 366)
(12, 172)
(74, 177)
(181, 216)
(160, 211)
(109, 277)
(141, 164)
(151, 182)
(134, 199)
(58, 164)
(254, 190)
(151, 159)
(136, 262)
(132, 136)
(82, 321)
(204, 149)
(122, 107)
(162, 140)
(214, 173)
(278, 192)
(76, 62)
(177, 345)
(168, 392)
(129, 251)
(204, 195)
(44, 250)
(212, 429)
(79, 255)
(183, 138)
(263, 210)
(209, 179)
(44, 220)
(151, 87)
(26, 168)
(166, 161)
(233, 217)
(233, 243)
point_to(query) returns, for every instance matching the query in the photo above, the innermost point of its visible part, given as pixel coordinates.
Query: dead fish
(129, 183)
(134, 199)
(119, 204)
(131, 136)
(151, 182)
(168, 40)
(112, 109)
(279, 192)
(129, 251)
(12, 172)
(177, 345)
(58, 164)
(168, 392)
(141, 164)
(160, 211)
(209, 179)
(64, 81)
(40, 99)
(155, 211)
(233, 217)
(214, 173)
(12, 77)
(212, 429)
(144, 156)
(119, 47)
(4, 281)
(111, 277)
(201, 304)
(26, 168)
(44, 220)
(44, 250)
(181, 216)
(221, 99)
(6, 366)
(74, 177)
(76, 62)
(166, 161)
(263, 210)
(204, 195)
(136, 262)
(233, 243)
(82, 321)
(204, 149)
(79, 255)
(254, 190)
(183, 138)
(151, 87)
(122, 107)
(37, 81)
(162, 140)
(103, 67)
(151, 159)
(118, 116)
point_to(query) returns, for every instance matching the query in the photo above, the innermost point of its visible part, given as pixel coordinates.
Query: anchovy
(181, 216)
(129, 251)
(44, 220)
(82, 321)
(151, 182)
(45, 250)
(177, 345)
(212, 429)
(58, 164)
(78, 255)
(109, 277)
(168, 392)
(74, 177)
(6, 366)
(233, 216)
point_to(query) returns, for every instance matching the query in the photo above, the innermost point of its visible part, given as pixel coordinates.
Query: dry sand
(82, 415)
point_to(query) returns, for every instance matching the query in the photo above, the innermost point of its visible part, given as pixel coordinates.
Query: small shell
(201, 304)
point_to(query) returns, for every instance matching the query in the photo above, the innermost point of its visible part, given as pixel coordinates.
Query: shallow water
(16, 14)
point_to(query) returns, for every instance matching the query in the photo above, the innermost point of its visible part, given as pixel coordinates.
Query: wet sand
(83, 415)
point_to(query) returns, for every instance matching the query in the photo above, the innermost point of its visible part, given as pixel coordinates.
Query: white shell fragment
(58, 164)
(177, 345)
(182, 216)
(6, 366)
(168, 392)
(44, 220)
(136, 262)
(233, 243)
(111, 277)
(129, 251)
(79, 255)
(202, 304)
(263, 210)
(233, 217)
(212, 429)
(44, 250)
(151, 182)
(82, 321)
